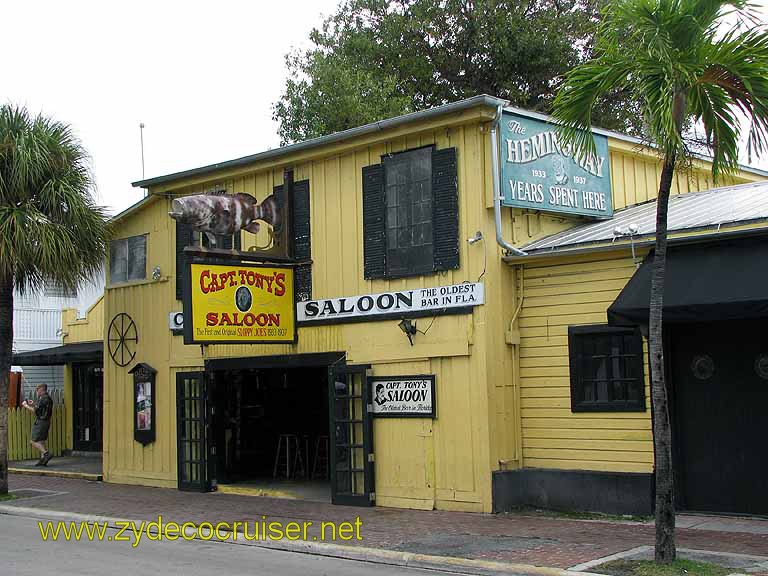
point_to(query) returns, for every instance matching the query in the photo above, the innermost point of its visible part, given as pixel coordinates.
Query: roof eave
(453, 107)
(580, 249)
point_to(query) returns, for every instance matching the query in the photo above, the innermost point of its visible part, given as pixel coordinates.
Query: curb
(57, 473)
(355, 553)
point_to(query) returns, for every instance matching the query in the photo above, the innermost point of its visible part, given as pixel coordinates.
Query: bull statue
(225, 215)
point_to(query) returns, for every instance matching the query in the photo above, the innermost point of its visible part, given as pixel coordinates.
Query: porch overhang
(58, 355)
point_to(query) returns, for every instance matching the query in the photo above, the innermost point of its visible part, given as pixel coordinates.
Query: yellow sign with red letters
(239, 303)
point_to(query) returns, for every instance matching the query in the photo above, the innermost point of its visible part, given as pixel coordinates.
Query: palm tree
(689, 68)
(51, 230)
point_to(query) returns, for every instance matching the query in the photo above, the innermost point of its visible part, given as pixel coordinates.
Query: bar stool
(288, 442)
(320, 457)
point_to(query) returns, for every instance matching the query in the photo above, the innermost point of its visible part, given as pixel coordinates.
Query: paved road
(22, 552)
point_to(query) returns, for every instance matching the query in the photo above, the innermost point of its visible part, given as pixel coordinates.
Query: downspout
(497, 197)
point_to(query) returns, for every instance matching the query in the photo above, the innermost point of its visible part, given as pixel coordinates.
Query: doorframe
(204, 484)
(76, 369)
(368, 497)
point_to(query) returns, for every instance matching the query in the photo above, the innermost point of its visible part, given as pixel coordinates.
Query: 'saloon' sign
(439, 299)
(403, 396)
(239, 303)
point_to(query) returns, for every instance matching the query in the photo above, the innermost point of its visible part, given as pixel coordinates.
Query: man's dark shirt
(44, 408)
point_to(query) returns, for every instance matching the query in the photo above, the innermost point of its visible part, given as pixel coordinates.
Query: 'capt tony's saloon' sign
(403, 396)
(539, 172)
(238, 303)
(399, 303)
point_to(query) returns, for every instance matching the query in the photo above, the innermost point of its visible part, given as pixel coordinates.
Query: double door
(351, 434)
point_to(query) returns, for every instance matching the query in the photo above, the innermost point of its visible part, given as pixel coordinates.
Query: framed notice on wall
(403, 396)
(144, 396)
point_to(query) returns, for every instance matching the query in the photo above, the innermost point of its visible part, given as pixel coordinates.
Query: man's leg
(46, 454)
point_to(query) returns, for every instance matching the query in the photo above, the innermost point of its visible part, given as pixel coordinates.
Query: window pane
(607, 369)
(408, 191)
(137, 258)
(118, 261)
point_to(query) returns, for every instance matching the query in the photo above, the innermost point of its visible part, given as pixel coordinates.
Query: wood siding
(559, 294)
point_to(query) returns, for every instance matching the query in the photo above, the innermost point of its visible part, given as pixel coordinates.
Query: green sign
(539, 173)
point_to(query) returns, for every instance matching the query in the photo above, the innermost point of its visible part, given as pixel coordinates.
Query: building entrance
(271, 431)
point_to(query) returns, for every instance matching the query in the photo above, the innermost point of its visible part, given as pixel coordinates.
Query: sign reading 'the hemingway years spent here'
(540, 173)
(239, 303)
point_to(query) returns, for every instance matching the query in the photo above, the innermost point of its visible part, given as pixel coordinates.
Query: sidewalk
(521, 539)
(83, 467)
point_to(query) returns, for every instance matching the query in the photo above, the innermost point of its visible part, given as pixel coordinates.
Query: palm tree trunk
(665, 551)
(6, 353)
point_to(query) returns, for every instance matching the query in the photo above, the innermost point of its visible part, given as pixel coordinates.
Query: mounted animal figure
(225, 215)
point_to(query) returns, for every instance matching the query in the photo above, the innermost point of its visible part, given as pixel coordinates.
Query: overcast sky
(201, 76)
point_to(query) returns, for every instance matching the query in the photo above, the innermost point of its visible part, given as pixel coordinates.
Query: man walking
(43, 411)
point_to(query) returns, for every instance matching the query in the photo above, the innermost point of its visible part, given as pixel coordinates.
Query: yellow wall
(88, 329)
(482, 423)
(560, 293)
(74, 329)
(444, 463)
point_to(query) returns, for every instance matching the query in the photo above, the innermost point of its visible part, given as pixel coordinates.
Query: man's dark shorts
(40, 430)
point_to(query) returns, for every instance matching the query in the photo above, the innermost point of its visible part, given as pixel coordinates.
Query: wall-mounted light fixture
(476, 238)
(409, 328)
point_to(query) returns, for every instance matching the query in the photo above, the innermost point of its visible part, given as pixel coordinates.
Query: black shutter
(183, 239)
(445, 209)
(374, 222)
(302, 240)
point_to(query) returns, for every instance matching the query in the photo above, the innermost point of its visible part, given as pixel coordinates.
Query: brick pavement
(514, 538)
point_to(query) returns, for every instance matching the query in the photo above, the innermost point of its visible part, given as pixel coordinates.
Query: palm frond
(50, 226)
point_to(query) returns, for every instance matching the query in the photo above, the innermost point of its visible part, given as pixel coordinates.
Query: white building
(37, 325)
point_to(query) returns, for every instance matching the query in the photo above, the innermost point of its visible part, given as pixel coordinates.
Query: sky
(201, 76)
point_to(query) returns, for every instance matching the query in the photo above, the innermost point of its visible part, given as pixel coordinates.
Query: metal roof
(710, 209)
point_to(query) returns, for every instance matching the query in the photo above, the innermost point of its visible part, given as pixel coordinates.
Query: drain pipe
(497, 197)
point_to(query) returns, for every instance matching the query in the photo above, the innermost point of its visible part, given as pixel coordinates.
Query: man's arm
(29, 405)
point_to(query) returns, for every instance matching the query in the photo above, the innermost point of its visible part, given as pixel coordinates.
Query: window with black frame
(411, 213)
(128, 259)
(606, 366)
(408, 199)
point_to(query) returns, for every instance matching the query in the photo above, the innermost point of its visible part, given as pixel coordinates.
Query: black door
(720, 395)
(192, 428)
(351, 436)
(87, 399)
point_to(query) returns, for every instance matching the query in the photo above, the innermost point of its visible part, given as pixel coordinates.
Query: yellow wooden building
(409, 273)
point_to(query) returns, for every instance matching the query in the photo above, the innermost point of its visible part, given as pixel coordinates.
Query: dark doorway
(87, 401)
(271, 429)
(720, 398)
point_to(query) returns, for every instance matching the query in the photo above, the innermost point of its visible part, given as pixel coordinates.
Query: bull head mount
(223, 215)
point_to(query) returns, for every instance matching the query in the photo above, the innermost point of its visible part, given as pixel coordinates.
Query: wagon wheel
(122, 339)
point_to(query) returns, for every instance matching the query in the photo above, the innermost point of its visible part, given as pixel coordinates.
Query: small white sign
(403, 396)
(401, 302)
(176, 321)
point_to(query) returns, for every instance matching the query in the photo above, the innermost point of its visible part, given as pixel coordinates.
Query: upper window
(408, 199)
(410, 214)
(128, 259)
(606, 369)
